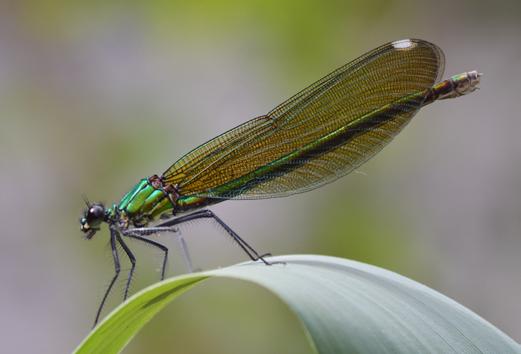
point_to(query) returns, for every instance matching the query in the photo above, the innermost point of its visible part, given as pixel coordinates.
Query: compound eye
(96, 212)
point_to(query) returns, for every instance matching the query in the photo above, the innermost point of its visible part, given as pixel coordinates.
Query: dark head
(92, 218)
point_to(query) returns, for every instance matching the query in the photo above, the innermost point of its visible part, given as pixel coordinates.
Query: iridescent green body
(145, 202)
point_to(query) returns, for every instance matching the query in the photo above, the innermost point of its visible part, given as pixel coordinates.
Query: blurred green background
(96, 95)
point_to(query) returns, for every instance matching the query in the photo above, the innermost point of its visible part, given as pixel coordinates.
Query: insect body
(315, 137)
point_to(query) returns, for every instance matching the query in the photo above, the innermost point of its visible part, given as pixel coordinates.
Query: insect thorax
(144, 203)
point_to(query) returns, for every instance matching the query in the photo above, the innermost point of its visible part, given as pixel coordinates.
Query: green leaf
(344, 307)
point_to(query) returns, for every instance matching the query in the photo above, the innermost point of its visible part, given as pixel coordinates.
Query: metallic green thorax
(148, 199)
(145, 203)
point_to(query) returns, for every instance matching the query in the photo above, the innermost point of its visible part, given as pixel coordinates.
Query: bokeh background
(96, 95)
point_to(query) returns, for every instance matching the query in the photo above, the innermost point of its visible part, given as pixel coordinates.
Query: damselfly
(315, 137)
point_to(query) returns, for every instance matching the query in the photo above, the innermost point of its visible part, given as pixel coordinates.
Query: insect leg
(117, 268)
(132, 261)
(138, 233)
(137, 236)
(208, 214)
(184, 251)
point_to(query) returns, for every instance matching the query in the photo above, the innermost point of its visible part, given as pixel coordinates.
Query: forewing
(376, 79)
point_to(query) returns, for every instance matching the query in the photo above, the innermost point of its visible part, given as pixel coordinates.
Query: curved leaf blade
(344, 307)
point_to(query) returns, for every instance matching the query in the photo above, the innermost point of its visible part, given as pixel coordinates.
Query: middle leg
(139, 233)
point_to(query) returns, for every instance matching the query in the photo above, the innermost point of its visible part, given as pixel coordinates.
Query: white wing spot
(403, 44)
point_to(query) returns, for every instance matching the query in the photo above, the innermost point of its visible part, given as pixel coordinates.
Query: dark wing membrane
(280, 153)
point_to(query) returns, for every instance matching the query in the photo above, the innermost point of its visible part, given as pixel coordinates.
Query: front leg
(117, 269)
(132, 262)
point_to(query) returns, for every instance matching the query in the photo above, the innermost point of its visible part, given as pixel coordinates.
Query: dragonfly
(320, 134)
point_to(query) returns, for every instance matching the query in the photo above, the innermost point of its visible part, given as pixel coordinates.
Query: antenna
(86, 200)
